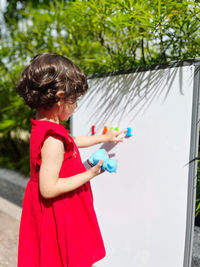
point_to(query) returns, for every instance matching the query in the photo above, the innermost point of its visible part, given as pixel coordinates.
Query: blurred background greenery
(99, 36)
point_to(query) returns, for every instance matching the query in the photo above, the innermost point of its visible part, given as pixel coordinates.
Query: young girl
(58, 227)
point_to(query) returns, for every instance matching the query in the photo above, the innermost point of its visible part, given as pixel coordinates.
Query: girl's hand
(96, 170)
(111, 135)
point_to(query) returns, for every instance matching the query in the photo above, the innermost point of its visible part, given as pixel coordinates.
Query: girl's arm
(110, 136)
(50, 184)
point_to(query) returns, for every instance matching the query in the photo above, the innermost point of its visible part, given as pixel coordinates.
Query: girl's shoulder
(44, 124)
(41, 129)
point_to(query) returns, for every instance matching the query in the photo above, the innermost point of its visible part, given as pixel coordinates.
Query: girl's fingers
(100, 162)
(122, 131)
(120, 138)
(98, 166)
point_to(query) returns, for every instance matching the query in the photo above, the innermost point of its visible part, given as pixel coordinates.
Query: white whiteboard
(143, 210)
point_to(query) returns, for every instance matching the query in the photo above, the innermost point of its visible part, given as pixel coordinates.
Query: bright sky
(3, 4)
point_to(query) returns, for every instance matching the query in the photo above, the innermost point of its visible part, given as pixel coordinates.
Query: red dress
(62, 231)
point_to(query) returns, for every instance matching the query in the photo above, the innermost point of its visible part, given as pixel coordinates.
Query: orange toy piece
(105, 129)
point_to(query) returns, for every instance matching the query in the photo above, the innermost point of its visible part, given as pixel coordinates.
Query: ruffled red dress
(62, 231)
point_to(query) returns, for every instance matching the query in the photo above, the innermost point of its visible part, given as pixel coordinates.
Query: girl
(58, 226)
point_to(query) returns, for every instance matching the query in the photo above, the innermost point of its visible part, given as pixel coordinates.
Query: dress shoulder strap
(41, 130)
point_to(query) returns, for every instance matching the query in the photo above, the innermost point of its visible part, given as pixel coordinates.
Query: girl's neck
(46, 117)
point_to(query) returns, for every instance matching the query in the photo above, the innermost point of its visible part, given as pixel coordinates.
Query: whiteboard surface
(142, 208)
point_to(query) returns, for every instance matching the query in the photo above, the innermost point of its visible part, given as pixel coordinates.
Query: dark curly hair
(45, 76)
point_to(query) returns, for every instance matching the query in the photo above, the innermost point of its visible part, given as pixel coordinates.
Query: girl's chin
(65, 118)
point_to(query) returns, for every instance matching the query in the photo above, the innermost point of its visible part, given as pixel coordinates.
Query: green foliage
(106, 35)
(98, 35)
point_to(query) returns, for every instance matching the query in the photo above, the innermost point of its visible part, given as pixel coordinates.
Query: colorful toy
(105, 129)
(109, 164)
(129, 132)
(93, 129)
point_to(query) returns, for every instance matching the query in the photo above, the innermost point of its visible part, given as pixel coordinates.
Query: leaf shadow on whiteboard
(108, 146)
(131, 93)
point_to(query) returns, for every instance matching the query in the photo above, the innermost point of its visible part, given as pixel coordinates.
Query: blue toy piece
(109, 165)
(97, 155)
(129, 132)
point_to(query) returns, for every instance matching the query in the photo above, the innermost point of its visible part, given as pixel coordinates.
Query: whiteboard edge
(192, 177)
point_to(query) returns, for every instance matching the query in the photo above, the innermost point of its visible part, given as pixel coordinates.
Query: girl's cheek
(74, 107)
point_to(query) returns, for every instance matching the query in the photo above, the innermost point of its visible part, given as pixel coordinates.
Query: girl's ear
(60, 93)
(60, 96)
